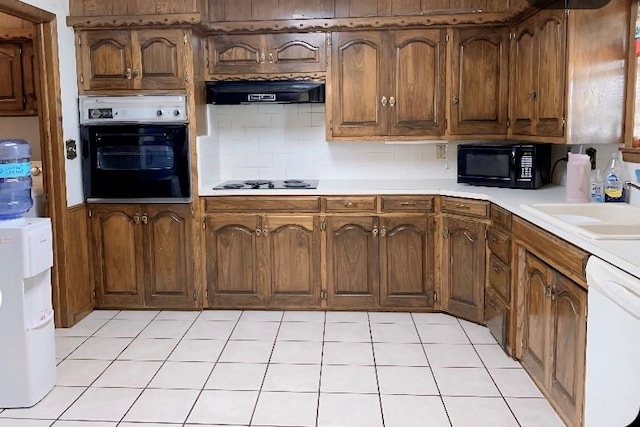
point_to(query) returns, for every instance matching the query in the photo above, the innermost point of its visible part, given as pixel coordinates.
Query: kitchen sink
(617, 221)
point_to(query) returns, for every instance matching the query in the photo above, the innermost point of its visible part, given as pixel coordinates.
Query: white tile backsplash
(280, 141)
(289, 141)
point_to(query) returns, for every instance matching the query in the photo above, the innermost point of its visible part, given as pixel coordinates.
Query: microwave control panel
(526, 167)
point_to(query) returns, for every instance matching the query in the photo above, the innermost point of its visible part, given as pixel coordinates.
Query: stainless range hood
(268, 91)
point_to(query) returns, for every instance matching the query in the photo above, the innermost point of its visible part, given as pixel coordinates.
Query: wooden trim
(9, 34)
(630, 112)
(134, 20)
(26, 11)
(631, 154)
(317, 77)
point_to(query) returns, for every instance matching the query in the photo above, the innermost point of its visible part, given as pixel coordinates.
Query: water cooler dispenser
(27, 350)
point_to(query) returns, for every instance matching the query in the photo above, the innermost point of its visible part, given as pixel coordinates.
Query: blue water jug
(15, 178)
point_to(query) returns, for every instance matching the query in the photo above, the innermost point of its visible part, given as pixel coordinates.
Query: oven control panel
(133, 109)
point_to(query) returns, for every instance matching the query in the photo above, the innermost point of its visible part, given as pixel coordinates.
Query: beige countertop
(625, 254)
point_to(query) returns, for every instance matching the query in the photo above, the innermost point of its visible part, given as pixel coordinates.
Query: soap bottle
(613, 181)
(578, 172)
(597, 187)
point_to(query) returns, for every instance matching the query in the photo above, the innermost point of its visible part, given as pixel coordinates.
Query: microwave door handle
(514, 165)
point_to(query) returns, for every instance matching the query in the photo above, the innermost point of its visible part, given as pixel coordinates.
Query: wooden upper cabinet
(291, 249)
(359, 81)
(266, 10)
(352, 262)
(550, 33)
(538, 82)
(117, 251)
(463, 267)
(388, 83)
(479, 81)
(417, 83)
(168, 263)
(101, 8)
(523, 93)
(406, 261)
(11, 91)
(267, 53)
(121, 60)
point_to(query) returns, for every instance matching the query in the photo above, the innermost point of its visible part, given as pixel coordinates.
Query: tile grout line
(375, 369)
(324, 332)
(215, 364)
(446, 411)
(489, 373)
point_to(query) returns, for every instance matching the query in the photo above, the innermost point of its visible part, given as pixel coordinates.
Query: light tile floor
(273, 368)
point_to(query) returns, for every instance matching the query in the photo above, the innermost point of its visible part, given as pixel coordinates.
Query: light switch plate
(441, 151)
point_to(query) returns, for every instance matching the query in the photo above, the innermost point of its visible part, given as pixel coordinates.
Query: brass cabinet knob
(533, 95)
(454, 100)
(383, 232)
(145, 219)
(136, 74)
(392, 101)
(270, 58)
(136, 219)
(374, 231)
(128, 73)
(265, 232)
(383, 101)
(349, 205)
(258, 232)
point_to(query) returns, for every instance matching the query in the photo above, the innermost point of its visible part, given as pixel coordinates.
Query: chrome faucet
(630, 184)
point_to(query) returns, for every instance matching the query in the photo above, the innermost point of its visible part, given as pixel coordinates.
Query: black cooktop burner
(264, 184)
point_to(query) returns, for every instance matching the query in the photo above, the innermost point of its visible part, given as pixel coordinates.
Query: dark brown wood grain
(79, 283)
(466, 207)
(11, 84)
(262, 204)
(497, 316)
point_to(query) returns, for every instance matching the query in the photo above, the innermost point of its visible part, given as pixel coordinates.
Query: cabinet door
(291, 247)
(417, 76)
(479, 67)
(551, 39)
(352, 262)
(359, 90)
(105, 60)
(168, 256)
(406, 261)
(29, 78)
(568, 346)
(116, 235)
(11, 81)
(296, 53)
(523, 90)
(463, 269)
(496, 314)
(536, 318)
(159, 59)
(235, 54)
(233, 267)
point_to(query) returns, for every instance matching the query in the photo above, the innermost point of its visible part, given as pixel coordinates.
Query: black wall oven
(135, 149)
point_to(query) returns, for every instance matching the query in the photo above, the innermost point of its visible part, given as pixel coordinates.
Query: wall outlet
(441, 151)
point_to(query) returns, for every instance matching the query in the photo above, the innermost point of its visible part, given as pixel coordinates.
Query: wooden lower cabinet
(554, 336)
(406, 257)
(263, 261)
(496, 314)
(463, 267)
(385, 261)
(141, 255)
(352, 262)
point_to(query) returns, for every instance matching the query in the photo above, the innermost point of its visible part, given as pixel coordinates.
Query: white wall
(69, 93)
(27, 128)
(288, 141)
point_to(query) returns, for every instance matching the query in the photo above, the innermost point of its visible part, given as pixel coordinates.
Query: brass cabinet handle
(383, 101)
(468, 236)
(136, 219)
(383, 232)
(375, 231)
(533, 95)
(454, 100)
(262, 58)
(407, 203)
(258, 232)
(462, 206)
(265, 232)
(145, 219)
(270, 58)
(127, 73)
(497, 269)
(392, 101)
(349, 205)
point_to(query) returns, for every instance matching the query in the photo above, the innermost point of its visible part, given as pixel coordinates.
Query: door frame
(48, 93)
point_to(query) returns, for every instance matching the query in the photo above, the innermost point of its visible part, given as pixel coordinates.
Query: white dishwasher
(613, 347)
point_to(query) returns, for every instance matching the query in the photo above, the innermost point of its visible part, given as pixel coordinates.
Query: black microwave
(504, 165)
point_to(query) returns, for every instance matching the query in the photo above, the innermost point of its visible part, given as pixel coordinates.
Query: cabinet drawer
(499, 245)
(264, 204)
(347, 204)
(501, 217)
(496, 316)
(467, 207)
(407, 203)
(499, 278)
